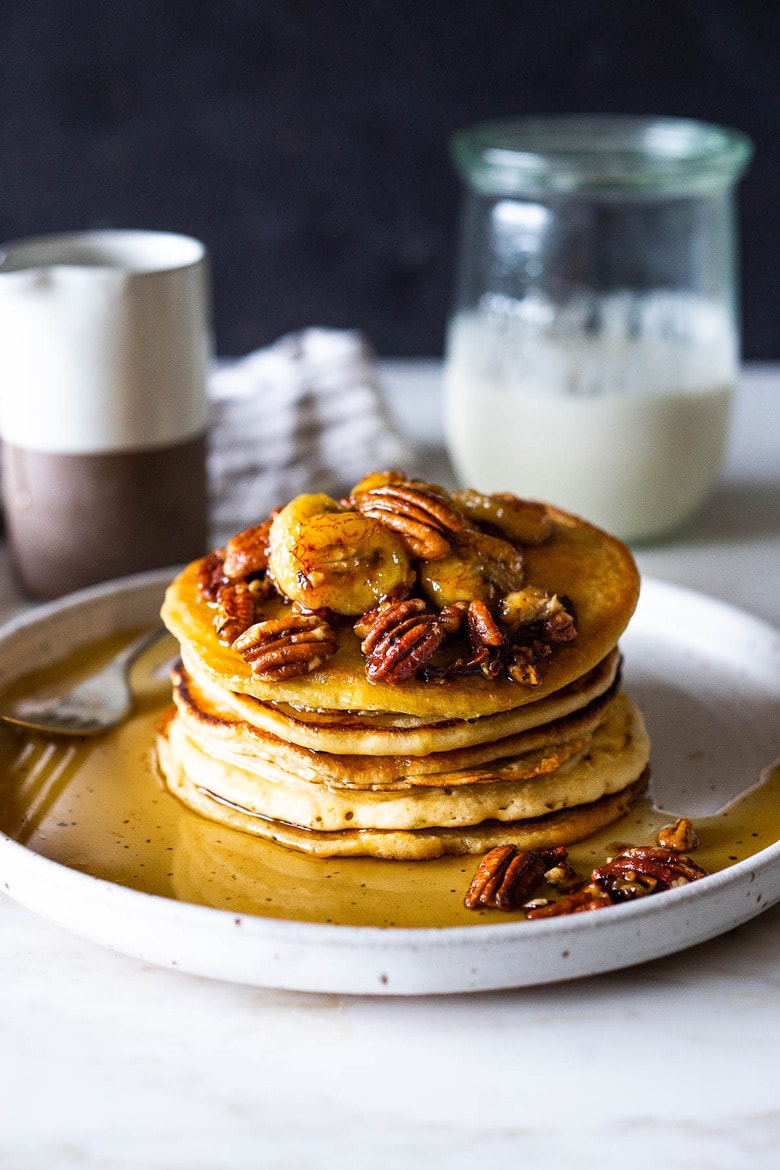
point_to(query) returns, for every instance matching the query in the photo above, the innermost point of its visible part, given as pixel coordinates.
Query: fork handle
(127, 657)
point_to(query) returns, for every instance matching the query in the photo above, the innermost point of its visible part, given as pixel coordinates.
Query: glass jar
(594, 342)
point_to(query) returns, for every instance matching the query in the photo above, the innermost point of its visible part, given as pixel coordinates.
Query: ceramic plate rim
(318, 957)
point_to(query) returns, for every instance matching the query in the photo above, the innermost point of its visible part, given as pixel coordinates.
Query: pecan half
(235, 611)
(635, 872)
(399, 637)
(247, 552)
(487, 641)
(506, 877)
(211, 574)
(287, 646)
(423, 517)
(483, 630)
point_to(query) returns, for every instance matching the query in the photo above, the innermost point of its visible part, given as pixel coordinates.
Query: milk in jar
(624, 427)
(594, 336)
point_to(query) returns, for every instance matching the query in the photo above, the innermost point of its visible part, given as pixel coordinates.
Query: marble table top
(107, 1062)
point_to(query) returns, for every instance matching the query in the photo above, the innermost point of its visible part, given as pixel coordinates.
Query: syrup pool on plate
(99, 806)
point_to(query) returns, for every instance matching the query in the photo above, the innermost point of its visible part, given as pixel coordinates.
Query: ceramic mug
(104, 350)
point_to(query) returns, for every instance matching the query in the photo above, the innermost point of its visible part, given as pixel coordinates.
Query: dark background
(305, 142)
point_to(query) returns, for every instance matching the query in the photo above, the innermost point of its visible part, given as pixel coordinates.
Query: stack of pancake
(453, 757)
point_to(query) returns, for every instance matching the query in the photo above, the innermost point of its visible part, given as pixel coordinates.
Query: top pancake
(594, 570)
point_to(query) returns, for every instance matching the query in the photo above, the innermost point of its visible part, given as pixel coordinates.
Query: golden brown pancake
(379, 733)
(313, 742)
(212, 723)
(604, 763)
(580, 562)
(216, 866)
(561, 827)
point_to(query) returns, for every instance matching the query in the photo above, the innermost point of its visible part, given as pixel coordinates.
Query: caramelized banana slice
(325, 556)
(480, 567)
(521, 521)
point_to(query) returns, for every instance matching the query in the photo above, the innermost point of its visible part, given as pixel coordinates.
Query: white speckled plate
(703, 672)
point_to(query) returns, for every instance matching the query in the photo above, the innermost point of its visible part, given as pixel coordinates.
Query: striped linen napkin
(305, 414)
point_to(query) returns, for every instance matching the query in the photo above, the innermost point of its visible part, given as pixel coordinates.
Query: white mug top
(104, 341)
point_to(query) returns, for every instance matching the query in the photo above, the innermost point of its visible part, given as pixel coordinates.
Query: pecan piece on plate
(563, 876)
(247, 552)
(589, 897)
(645, 869)
(287, 646)
(681, 836)
(423, 517)
(505, 878)
(399, 637)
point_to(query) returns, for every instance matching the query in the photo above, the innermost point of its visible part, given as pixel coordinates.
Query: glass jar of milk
(594, 342)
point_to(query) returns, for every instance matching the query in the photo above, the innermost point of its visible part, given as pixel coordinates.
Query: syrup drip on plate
(99, 806)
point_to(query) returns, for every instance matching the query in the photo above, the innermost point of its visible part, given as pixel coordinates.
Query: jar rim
(599, 152)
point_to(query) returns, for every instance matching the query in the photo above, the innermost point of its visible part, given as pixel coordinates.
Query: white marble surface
(108, 1063)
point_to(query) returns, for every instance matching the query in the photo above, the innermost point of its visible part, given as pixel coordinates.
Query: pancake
(380, 733)
(215, 727)
(580, 562)
(405, 674)
(605, 762)
(561, 827)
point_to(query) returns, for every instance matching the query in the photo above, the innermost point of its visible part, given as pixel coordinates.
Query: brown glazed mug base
(76, 520)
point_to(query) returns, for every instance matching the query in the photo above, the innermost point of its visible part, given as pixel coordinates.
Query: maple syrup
(99, 806)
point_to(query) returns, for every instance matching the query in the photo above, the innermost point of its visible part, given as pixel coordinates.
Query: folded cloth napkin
(305, 414)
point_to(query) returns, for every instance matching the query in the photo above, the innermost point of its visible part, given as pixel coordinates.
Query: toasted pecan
(589, 897)
(635, 872)
(644, 869)
(680, 836)
(423, 517)
(235, 611)
(211, 574)
(483, 630)
(506, 877)
(247, 552)
(287, 646)
(399, 637)
(523, 667)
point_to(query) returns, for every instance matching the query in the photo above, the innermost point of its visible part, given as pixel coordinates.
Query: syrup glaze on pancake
(562, 827)
(594, 570)
(515, 788)
(212, 723)
(380, 733)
